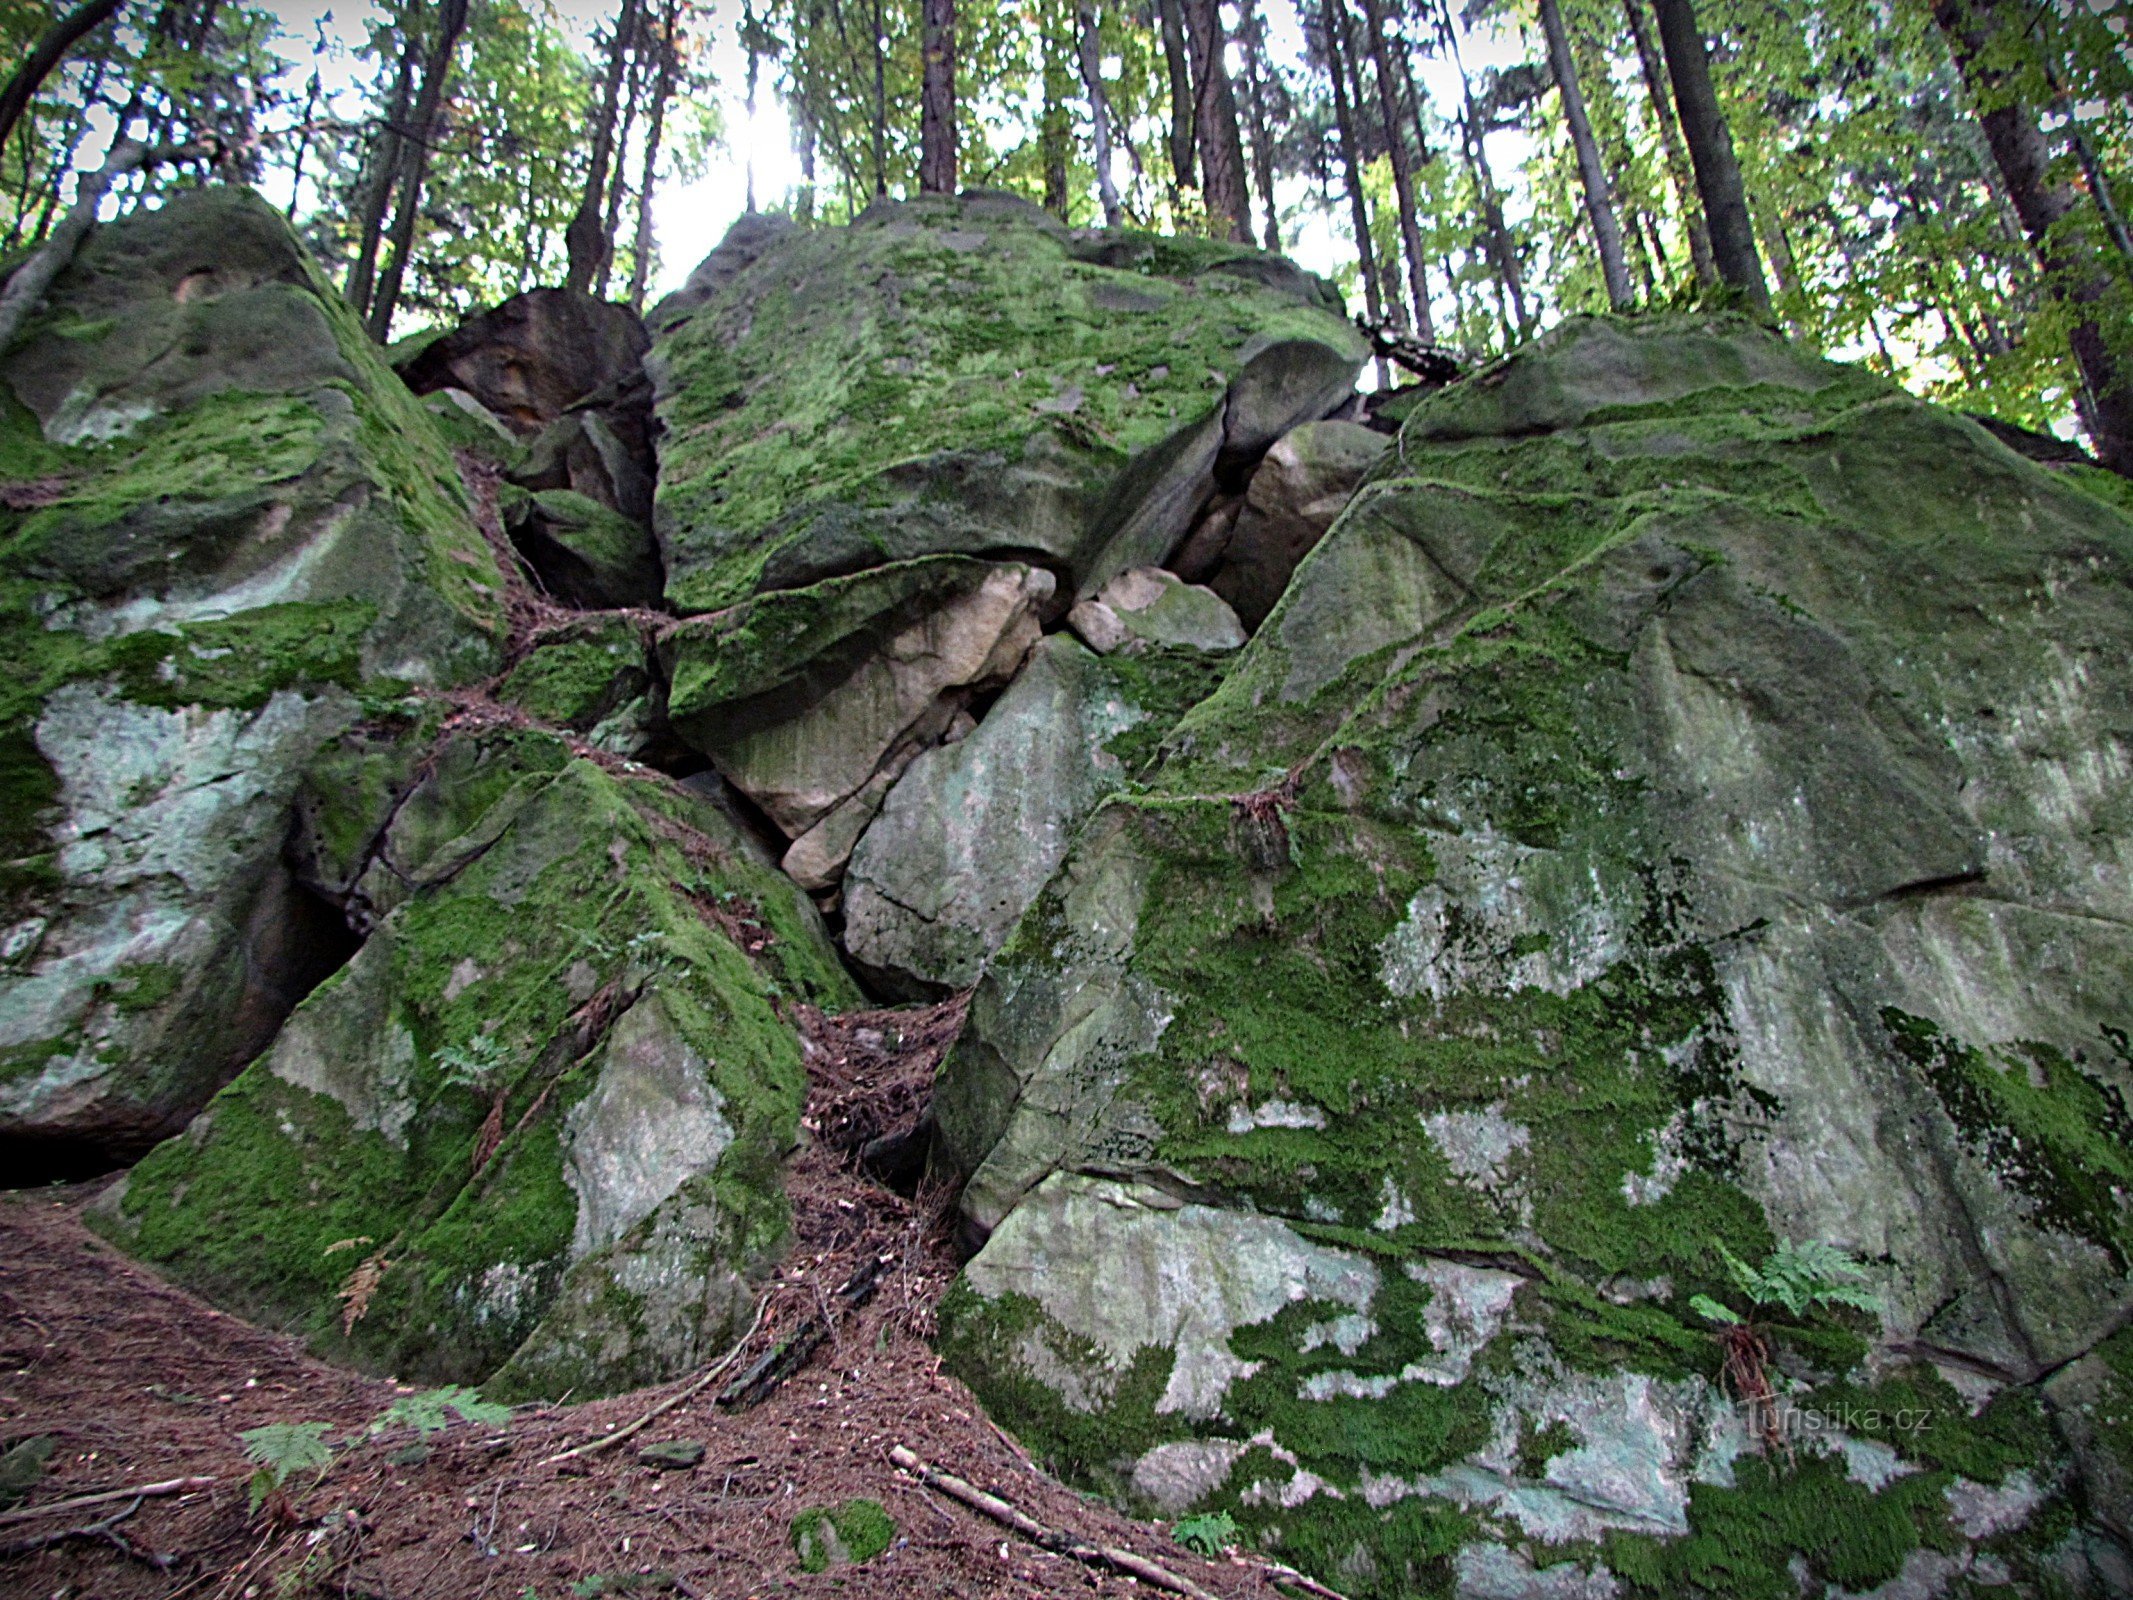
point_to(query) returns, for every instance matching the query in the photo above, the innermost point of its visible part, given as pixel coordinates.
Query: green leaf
(1208, 1534)
(428, 1412)
(1711, 1311)
(280, 1450)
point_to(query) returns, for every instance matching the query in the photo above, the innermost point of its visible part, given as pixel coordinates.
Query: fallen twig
(998, 1510)
(791, 1353)
(95, 1530)
(1282, 1572)
(143, 1491)
(695, 1387)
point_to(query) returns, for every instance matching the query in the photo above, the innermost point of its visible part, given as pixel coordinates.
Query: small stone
(673, 1455)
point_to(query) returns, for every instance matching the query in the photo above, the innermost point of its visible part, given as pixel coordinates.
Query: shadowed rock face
(1679, 805)
(533, 357)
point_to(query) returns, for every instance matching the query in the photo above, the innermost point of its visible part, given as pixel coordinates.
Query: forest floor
(138, 1382)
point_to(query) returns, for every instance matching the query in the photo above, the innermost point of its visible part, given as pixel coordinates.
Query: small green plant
(1799, 1278)
(475, 1064)
(431, 1411)
(1208, 1534)
(281, 1450)
(1795, 1278)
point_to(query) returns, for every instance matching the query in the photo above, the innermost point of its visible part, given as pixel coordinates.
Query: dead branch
(1282, 1572)
(695, 1387)
(998, 1510)
(791, 1353)
(142, 1491)
(95, 1530)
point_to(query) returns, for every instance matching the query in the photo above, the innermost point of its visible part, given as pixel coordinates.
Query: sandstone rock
(1675, 806)
(584, 552)
(233, 522)
(531, 358)
(973, 830)
(539, 1115)
(1146, 607)
(804, 699)
(1296, 492)
(945, 376)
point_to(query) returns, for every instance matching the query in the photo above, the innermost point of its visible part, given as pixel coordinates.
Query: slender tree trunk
(618, 188)
(407, 206)
(936, 124)
(1055, 131)
(1252, 33)
(2075, 274)
(1599, 206)
(1229, 209)
(1678, 171)
(662, 92)
(1710, 141)
(748, 39)
(1183, 140)
(50, 49)
(1089, 49)
(1502, 248)
(1403, 175)
(1344, 124)
(582, 237)
(385, 168)
(881, 108)
(804, 203)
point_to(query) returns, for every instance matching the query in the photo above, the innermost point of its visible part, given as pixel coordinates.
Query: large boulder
(531, 1135)
(1678, 809)
(964, 376)
(531, 358)
(227, 527)
(973, 830)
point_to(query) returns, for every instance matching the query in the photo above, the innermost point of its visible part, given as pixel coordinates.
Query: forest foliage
(1937, 187)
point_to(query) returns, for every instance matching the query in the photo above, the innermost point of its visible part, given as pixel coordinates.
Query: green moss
(1742, 1539)
(859, 1531)
(1923, 1417)
(2053, 1132)
(574, 678)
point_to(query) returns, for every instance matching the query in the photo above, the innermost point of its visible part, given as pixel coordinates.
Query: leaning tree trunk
(618, 189)
(582, 237)
(1055, 128)
(1089, 49)
(1253, 35)
(1710, 141)
(1678, 171)
(2074, 273)
(1177, 65)
(1403, 173)
(1599, 205)
(1330, 24)
(407, 206)
(662, 92)
(50, 49)
(378, 182)
(1229, 208)
(936, 119)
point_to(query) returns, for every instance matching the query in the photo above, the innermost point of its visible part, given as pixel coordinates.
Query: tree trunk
(1403, 175)
(51, 48)
(1055, 130)
(385, 168)
(1678, 171)
(804, 204)
(407, 207)
(582, 237)
(936, 124)
(881, 108)
(1503, 249)
(748, 42)
(1599, 206)
(662, 92)
(1229, 209)
(1330, 25)
(2074, 273)
(1252, 33)
(1710, 141)
(1089, 47)
(1171, 20)
(618, 188)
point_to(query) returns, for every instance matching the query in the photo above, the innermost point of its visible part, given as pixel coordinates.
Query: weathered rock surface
(1680, 805)
(1147, 608)
(972, 830)
(963, 376)
(539, 1118)
(533, 357)
(584, 552)
(1295, 493)
(227, 527)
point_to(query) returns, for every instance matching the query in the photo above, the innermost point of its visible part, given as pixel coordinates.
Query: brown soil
(140, 1382)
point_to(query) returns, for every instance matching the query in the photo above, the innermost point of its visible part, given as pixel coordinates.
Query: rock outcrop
(228, 529)
(1679, 808)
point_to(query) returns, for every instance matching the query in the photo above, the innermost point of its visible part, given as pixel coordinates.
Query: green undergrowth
(848, 1533)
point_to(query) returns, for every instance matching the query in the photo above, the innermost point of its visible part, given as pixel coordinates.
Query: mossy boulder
(227, 530)
(1679, 807)
(531, 1136)
(965, 376)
